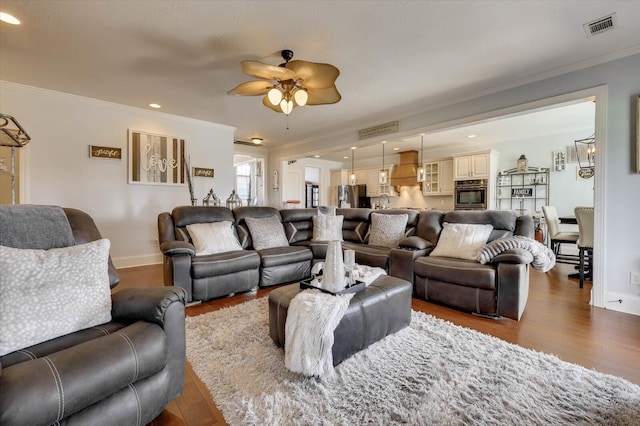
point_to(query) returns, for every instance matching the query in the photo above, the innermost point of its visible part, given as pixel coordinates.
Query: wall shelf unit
(524, 193)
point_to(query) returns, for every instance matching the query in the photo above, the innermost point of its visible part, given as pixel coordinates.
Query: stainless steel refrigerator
(353, 196)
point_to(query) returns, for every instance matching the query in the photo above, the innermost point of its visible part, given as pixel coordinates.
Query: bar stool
(584, 215)
(557, 237)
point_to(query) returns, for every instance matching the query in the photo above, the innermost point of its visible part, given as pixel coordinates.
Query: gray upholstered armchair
(120, 372)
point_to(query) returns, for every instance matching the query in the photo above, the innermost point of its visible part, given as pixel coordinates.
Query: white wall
(616, 164)
(60, 172)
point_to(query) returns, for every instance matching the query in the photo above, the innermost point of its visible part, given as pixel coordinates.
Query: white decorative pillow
(327, 228)
(461, 240)
(45, 294)
(267, 232)
(213, 237)
(387, 229)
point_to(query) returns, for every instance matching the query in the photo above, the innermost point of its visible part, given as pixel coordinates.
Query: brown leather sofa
(123, 372)
(208, 276)
(499, 288)
(397, 261)
(204, 277)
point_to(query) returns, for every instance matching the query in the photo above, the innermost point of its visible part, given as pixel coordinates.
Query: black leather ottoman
(384, 307)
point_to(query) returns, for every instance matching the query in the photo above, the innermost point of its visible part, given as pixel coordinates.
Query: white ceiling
(395, 56)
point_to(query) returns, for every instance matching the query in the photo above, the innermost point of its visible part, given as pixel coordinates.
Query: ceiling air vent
(601, 25)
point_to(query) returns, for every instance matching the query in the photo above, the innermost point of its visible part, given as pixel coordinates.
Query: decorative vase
(333, 278)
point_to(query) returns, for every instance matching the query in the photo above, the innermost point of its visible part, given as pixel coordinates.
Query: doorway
(599, 96)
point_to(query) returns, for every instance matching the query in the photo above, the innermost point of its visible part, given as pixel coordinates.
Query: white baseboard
(630, 304)
(131, 261)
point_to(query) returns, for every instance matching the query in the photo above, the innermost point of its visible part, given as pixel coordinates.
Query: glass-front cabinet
(431, 183)
(438, 178)
(524, 193)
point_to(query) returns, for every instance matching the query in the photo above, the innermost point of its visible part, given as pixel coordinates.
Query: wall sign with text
(202, 172)
(522, 192)
(105, 152)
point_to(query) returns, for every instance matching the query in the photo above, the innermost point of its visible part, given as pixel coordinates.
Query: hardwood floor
(557, 320)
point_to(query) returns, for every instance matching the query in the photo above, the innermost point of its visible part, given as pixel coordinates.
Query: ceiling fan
(291, 84)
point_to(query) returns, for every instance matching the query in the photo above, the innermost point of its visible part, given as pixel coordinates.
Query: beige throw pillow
(387, 229)
(267, 232)
(461, 240)
(213, 237)
(46, 294)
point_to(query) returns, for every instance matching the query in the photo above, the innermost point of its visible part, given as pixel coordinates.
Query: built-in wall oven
(471, 194)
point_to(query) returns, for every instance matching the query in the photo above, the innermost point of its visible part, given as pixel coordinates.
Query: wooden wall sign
(105, 152)
(202, 172)
(381, 129)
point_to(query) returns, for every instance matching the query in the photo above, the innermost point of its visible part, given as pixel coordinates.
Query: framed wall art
(156, 159)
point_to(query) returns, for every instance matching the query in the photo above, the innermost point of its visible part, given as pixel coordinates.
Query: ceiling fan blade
(269, 72)
(314, 75)
(251, 88)
(329, 95)
(265, 102)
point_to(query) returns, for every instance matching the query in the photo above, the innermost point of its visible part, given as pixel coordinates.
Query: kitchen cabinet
(475, 166)
(438, 178)
(337, 178)
(361, 176)
(374, 189)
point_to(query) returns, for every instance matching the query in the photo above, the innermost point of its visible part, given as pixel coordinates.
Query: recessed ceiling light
(471, 136)
(396, 149)
(345, 157)
(257, 141)
(156, 106)
(353, 147)
(9, 19)
(316, 156)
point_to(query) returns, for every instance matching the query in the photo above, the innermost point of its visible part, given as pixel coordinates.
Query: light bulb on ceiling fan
(286, 106)
(301, 97)
(275, 96)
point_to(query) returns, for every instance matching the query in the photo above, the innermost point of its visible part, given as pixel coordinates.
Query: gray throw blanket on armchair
(543, 257)
(26, 226)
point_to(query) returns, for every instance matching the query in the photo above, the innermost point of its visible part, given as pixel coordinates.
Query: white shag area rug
(430, 373)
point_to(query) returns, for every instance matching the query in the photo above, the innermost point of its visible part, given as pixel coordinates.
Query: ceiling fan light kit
(292, 83)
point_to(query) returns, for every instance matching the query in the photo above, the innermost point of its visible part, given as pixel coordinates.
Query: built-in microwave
(471, 194)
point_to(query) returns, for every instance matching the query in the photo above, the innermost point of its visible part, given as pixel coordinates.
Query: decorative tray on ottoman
(355, 288)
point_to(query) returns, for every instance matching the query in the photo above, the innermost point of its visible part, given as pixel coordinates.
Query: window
(243, 180)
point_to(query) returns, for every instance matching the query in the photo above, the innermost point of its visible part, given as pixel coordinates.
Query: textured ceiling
(394, 56)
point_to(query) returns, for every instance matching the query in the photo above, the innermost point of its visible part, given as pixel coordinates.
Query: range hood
(406, 173)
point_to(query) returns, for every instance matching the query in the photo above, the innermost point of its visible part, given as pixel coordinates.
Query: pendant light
(421, 176)
(352, 178)
(383, 177)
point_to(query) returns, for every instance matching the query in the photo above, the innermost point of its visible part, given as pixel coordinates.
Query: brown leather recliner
(499, 288)
(121, 372)
(203, 277)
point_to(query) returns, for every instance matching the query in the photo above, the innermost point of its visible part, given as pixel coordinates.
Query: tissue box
(355, 288)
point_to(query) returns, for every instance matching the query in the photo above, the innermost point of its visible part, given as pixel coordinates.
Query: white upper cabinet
(475, 166)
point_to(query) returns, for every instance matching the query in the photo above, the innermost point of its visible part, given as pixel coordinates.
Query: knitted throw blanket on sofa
(543, 257)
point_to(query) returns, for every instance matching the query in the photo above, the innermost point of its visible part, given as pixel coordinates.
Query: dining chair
(584, 215)
(558, 237)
